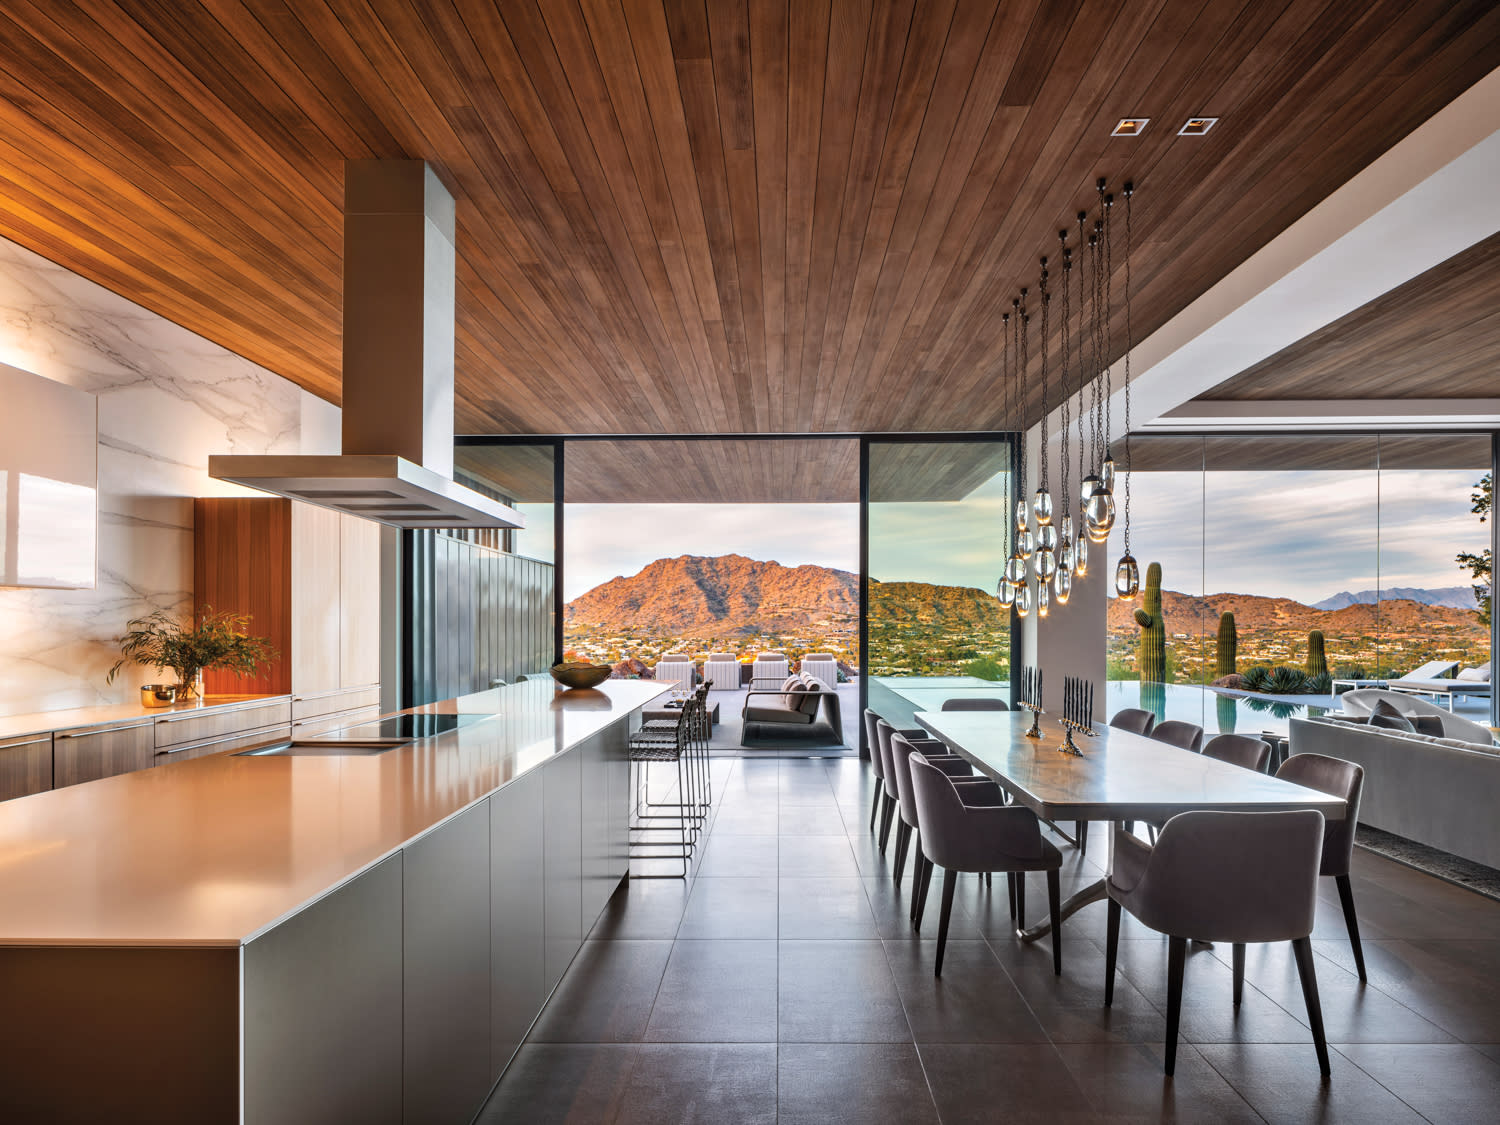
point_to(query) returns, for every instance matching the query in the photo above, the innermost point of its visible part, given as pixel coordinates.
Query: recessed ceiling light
(1130, 127)
(1197, 126)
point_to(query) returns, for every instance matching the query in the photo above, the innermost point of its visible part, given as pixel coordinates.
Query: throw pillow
(1426, 724)
(1392, 722)
(1479, 675)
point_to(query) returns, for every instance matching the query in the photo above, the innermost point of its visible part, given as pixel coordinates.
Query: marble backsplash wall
(167, 399)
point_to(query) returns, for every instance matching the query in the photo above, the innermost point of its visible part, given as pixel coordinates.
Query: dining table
(1114, 775)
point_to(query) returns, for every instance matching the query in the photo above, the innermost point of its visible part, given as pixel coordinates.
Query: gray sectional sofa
(1442, 790)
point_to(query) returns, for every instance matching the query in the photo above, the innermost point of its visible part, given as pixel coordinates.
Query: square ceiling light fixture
(1130, 127)
(1197, 126)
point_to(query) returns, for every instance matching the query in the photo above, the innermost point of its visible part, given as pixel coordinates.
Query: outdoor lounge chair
(1433, 679)
(677, 666)
(822, 667)
(722, 669)
(770, 670)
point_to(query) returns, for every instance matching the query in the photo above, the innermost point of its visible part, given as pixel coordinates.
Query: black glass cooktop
(403, 727)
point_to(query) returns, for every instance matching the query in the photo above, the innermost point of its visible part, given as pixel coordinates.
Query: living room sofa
(1438, 790)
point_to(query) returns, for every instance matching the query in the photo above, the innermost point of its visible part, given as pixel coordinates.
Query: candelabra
(1078, 712)
(1031, 698)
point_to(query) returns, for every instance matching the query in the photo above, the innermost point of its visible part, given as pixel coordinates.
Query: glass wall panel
(939, 518)
(1166, 529)
(727, 548)
(522, 476)
(1432, 489)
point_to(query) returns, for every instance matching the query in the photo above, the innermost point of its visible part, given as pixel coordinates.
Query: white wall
(167, 399)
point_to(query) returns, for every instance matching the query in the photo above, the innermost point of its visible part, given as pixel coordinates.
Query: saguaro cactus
(1228, 647)
(1153, 642)
(1317, 663)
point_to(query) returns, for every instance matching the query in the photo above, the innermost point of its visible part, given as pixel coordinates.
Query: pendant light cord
(1129, 341)
(1046, 299)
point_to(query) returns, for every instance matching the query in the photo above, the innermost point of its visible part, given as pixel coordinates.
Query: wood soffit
(1437, 336)
(697, 218)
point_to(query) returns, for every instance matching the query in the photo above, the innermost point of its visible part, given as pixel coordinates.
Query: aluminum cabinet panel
(562, 862)
(322, 1008)
(446, 984)
(594, 785)
(617, 763)
(519, 986)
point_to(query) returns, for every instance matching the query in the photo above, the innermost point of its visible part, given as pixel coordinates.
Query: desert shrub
(1286, 680)
(1257, 678)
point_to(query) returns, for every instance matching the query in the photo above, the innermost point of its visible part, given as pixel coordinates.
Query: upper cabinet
(310, 579)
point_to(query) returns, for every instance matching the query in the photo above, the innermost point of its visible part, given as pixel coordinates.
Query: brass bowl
(580, 675)
(159, 695)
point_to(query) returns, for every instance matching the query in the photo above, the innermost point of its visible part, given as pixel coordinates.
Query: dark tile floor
(783, 983)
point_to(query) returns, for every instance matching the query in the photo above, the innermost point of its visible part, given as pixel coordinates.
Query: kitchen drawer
(223, 744)
(330, 702)
(90, 753)
(199, 726)
(308, 728)
(25, 765)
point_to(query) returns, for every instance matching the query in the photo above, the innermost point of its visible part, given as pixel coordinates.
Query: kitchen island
(346, 937)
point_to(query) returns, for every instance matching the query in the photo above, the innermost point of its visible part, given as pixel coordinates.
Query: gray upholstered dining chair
(884, 732)
(1337, 778)
(1174, 732)
(1239, 750)
(1135, 720)
(971, 704)
(958, 836)
(872, 741)
(1226, 877)
(902, 748)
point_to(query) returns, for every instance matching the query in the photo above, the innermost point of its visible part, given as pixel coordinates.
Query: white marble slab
(167, 399)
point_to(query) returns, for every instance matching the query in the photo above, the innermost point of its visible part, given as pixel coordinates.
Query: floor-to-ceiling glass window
(937, 540)
(1295, 566)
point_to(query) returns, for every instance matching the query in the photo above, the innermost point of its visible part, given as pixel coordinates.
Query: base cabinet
(92, 753)
(25, 766)
(562, 861)
(518, 984)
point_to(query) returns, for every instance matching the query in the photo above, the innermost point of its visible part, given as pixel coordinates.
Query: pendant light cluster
(1048, 557)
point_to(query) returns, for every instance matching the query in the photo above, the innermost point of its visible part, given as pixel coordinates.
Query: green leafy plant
(214, 640)
(1319, 684)
(1351, 672)
(1286, 680)
(1257, 678)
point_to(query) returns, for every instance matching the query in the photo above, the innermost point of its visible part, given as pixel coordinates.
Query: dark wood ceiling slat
(748, 215)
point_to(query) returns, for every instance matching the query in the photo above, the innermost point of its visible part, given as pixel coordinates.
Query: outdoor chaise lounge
(1433, 679)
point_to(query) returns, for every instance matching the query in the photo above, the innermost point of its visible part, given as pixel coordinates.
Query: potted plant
(213, 640)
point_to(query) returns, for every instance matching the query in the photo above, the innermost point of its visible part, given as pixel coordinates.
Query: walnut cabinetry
(308, 574)
(90, 753)
(25, 765)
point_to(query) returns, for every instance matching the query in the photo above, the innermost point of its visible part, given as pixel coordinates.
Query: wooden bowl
(580, 675)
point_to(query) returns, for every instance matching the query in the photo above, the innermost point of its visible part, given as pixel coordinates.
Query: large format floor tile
(783, 982)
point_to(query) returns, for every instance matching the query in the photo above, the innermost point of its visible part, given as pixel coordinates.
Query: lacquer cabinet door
(359, 602)
(25, 765)
(316, 647)
(517, 901)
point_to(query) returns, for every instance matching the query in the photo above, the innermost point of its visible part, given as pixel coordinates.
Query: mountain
(1185, 613)
(1453, 597)
(733, 596)
(722, 596)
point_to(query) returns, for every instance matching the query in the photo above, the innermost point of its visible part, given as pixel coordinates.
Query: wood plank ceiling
(1437, 336)
(689, 216)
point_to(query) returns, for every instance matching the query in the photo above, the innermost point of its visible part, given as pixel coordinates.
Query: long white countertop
(213, 851)
(41, 722)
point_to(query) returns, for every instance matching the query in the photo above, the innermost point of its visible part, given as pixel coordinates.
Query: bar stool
(645, 748)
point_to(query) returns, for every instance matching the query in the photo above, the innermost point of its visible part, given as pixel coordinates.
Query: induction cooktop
(401, 727)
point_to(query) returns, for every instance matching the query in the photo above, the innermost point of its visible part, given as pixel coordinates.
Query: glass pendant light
(1024, 599)
(1127, 572)
(1045, 563)
(1041, 506)
(1127, 578)
(1026, 544)
(1107, 474)
(1015, 570)
(1062, 584)
(1067, 558)
(1043, 598)
(1086, 488)
(1081, 556)
(1005, 591)
(1100, 514)
(1047, 538)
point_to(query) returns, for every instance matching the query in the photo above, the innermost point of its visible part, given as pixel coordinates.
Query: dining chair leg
(1020, 900)
(887, 812)
(1346, 897)
(916, 878)
(1054, 911)
(921, 902)
(875, 802)
(1010, 886)
(1081, 834)
(950, 881)
(1176, 959)
(1239, 972)
(1302, 948)
(903, 842)
(1111, 951)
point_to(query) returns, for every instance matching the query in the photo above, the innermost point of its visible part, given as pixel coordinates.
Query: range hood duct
(400, 271)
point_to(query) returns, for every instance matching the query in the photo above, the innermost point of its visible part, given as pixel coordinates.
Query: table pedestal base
(1094, 892)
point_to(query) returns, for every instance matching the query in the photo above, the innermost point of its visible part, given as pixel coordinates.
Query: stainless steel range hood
(399, 281)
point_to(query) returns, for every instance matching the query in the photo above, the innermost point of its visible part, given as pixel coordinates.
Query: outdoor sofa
(802, 712)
